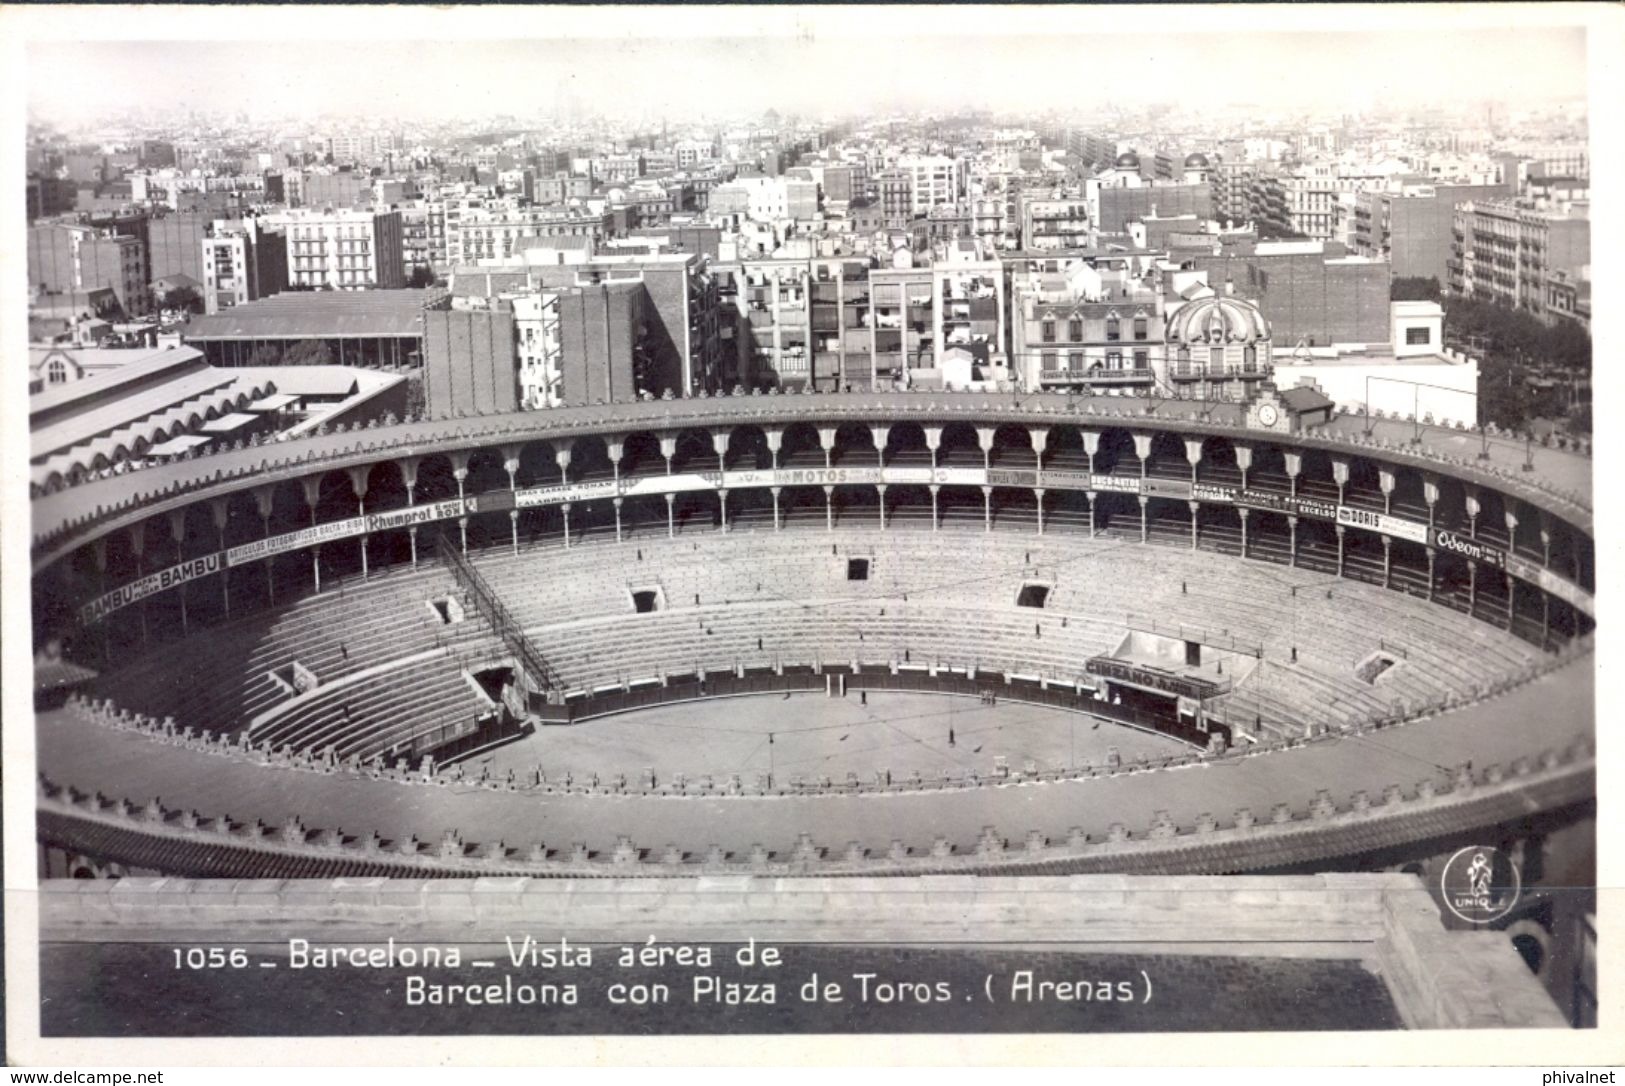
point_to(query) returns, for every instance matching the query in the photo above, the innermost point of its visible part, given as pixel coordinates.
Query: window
(1074, 330)
(1216, 360)
(1139, 328)
(1184, 360)
(1113, 329)
(857, 569)
(1114, 360)
(1074, 361)
(56, 373)
(1417, 337)
(1047, 360)
(1249, 358)
(1047, 331)
(1142, 360)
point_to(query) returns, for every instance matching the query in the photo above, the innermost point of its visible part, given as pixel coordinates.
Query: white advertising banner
(292, 541)
(532, 497)
(1381, 522)
(150, 585)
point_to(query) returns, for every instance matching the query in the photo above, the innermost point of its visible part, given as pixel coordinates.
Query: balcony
(1096, 378)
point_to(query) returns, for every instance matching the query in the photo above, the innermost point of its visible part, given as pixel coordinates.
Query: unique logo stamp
(1480, 884)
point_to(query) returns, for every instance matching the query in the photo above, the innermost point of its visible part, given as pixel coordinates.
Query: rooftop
(320, 315)
(129, 368)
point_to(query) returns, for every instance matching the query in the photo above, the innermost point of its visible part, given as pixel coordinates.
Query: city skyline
(834, 73)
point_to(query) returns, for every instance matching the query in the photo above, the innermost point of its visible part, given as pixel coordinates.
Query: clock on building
(1267, 411)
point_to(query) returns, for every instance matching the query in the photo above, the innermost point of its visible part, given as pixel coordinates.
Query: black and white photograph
(691, 525)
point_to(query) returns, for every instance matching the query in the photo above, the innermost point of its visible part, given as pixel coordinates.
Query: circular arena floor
(1549, 712)
(814, 735)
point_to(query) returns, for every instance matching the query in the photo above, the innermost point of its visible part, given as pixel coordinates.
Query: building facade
(1218, 348)
(1510, 255)
(78, 257)
(242, 263)
(477, 234)
(1314, 292)
(341, 250)
(1412, 228)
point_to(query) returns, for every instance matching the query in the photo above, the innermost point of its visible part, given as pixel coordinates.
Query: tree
(184, 298)
(422, 276)
(265, 355)
(308, 352)
(1414, 289)
(1274, 231)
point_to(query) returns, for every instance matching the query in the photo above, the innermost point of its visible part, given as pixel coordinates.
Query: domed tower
(1197, 169)
(1128, 161)
(1219, 347)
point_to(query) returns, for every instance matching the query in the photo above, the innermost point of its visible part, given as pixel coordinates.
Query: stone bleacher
(376, 647)
(390, 669)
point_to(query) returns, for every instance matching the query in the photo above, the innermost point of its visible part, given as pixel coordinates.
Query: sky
(809, 67)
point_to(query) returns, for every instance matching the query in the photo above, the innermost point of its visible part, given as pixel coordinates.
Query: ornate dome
(1218, 320)
(1128, 160)
(1196, 161)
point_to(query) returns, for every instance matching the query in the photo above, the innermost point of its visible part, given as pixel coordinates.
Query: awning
(273, 403)
(226, 424)
(177, 446)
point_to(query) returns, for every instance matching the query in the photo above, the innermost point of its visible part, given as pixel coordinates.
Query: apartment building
(417, 251)
(1411, 227)
(770, 305)
(1311, 198)
(343, 250)
(538, 340)
(932, 179)
(476, 234)
(894, 192)
(72, 257)
(1267, 202)
(607, 329)
(1512, 255)
(768, 199)
(1085, 326)
(242, 263)
(968, 304)
(902, 306)
(1049, 223)
(842, 336)
(1232, 183)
